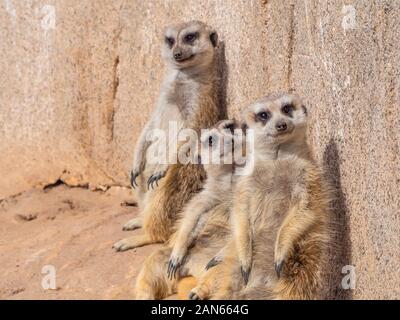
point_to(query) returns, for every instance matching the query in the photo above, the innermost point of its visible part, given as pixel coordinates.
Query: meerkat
(280, 214)
(218, 184)
(203, 229)
(190, 96)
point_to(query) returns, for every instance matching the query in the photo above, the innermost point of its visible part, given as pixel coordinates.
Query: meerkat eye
(211, 141)
(287, 108)
(190, 37)
(170, 41)
(264, 116)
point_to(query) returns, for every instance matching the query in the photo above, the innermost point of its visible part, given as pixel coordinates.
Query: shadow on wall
(223, 73)
(340, 251)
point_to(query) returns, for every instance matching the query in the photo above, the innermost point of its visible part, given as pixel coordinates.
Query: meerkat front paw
(174, 263)
(278, 268)
(213, 262)
(197, 294)
(217, 259)
(246, 261)
(245, 271)
(133, 224)
(154, 178)
(279, 260)
(134, 175)
(122, 245)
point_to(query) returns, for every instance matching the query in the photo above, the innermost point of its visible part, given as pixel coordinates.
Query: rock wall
(79, 78)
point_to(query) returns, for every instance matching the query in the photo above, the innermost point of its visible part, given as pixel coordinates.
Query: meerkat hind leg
(133, 224)
(208, 284)
(294, 225)
(153, 281)
(134, 242)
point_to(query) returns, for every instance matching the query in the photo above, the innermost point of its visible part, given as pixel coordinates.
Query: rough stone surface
(76, 91)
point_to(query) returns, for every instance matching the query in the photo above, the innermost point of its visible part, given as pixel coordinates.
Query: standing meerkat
(191, 97)
(203, 229)
(280, 215)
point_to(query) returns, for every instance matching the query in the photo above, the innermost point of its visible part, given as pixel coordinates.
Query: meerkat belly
(276, 187)
(266, 224)
(275, 191)
(217, 227)
(268, 213)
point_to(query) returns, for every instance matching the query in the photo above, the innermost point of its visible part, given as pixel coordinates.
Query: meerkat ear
(227, 125)
(231, 126)
(304, 109)
(244, 126)
(214, 38)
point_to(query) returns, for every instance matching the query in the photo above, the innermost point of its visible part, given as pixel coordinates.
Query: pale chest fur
(178, 101)
(278, 185)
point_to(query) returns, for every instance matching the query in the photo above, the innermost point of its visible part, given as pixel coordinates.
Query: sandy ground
(72, 229)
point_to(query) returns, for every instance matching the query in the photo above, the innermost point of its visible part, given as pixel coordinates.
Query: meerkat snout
(178, 55)
(281, 126)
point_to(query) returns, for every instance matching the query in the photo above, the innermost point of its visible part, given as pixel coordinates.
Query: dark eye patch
(287, 109)
(263, 116)
(211, 141)
(190, 37)
(170, 41)
(231, 127)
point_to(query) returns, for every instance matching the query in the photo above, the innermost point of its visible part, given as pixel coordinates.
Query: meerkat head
(277, 119)
(217, 148)
(189, 44)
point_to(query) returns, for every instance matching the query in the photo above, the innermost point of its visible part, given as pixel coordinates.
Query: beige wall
(74, 95)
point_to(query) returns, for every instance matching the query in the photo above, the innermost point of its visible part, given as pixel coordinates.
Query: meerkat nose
(178, 55)
(281, 126)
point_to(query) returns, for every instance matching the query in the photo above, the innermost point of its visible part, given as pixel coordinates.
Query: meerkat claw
(149, 182)
(245, 274)
(278, 268)
(212, 263)
(193, 296)
(134, 175)
(155, 178)
(172, 269)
